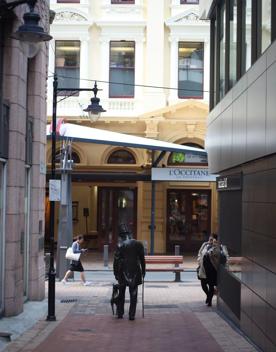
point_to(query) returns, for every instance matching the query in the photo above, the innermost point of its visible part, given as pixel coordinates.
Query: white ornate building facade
(151, 60)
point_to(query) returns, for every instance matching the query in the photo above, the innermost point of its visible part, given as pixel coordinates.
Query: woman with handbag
(76, 265)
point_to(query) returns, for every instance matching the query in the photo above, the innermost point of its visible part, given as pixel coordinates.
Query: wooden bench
(166, 259)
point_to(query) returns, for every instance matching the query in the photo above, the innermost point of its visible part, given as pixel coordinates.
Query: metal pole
(177, 273)
(152, 224)
(106, 255)
(86, 224)
(52, 273)
(177, 251)
(143, 297)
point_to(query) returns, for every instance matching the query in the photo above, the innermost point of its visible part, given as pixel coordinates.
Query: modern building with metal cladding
(241, 147)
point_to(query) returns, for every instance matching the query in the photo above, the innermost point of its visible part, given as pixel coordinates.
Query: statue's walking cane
(143, 313)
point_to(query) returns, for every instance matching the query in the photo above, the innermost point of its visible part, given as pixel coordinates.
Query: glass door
(116, 205)
(188, 218)
(2, 232)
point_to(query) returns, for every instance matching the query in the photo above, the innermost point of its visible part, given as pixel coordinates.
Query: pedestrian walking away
(201, 270)
(214, 256)
(76, 265)
(129, 269)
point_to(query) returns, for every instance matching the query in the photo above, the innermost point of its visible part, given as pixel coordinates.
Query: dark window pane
(222, 51)
(75, 157)
(67, 64)
(266, 24)
(68, 1)
(189, 1)
(247, 26)
(233, 43)
(122, 1)
(190, 70)
(121, 157)
(122, 68)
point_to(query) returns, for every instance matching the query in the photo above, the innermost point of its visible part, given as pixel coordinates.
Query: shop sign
(181, 174)
(229, 182)
(54, 190)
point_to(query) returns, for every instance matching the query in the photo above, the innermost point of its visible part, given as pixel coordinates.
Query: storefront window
(266, 24)
(116, 206)
(233, 43)
(67, 64)
(188, 218)
(190, 70)
(122, 69)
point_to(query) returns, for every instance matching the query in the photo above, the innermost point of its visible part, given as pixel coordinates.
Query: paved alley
(176, 318)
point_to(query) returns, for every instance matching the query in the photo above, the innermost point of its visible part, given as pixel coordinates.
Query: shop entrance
(115, 206)
(188, 218)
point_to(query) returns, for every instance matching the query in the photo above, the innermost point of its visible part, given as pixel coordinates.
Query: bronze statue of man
(129, 269)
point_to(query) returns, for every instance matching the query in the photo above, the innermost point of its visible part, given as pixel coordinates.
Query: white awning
(94, 135)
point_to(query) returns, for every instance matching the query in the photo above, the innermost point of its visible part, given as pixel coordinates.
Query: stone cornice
(187, 18)
(123, 24)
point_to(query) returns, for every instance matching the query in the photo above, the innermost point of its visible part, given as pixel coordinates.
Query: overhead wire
(131, 84)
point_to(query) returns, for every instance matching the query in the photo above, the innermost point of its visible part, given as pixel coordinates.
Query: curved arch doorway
(188, 218)
(115, 205)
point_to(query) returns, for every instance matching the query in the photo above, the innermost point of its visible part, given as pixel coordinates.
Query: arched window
(75, 157)
(121, 156)
(186, 158)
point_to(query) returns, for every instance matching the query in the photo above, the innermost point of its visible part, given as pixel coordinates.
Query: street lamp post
(52, 273)
(94, 110)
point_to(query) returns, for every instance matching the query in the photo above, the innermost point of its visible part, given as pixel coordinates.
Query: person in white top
(77, 265)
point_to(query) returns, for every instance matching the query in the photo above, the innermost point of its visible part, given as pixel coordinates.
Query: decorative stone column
(84, 60)
(173, 69)
(104, 41)
(139, 60)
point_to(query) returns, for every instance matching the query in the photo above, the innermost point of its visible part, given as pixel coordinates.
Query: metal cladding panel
(250, 133)
(230, 291)
(230, 221)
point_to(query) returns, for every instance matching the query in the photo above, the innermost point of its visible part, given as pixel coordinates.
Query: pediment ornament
(188, 18)
(67, 16)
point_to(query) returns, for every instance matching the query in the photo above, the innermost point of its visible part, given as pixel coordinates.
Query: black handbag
(114, 297)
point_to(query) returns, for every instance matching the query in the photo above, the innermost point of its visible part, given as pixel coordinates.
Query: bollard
(177, 273)
(177, 252)
(145, 242)
(105, 255)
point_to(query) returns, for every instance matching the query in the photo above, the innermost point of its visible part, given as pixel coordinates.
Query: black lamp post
(94, 110)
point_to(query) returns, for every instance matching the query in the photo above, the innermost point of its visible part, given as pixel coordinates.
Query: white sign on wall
(54, 190)
(181, 174)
